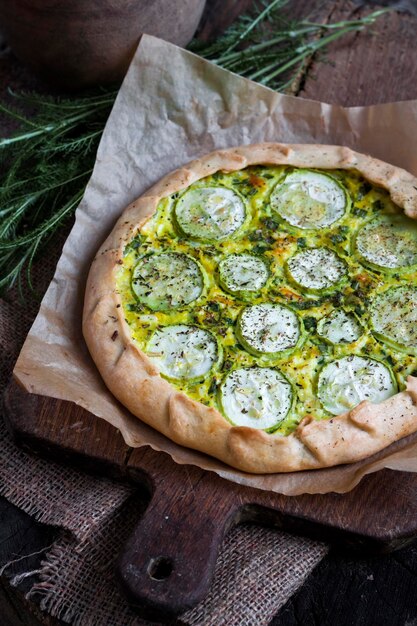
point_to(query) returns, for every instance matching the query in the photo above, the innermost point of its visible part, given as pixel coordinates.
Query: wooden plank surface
(377, 65)
(366, 71)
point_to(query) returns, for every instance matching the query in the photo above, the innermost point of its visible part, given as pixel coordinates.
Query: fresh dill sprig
(45, 166)
(271, 48)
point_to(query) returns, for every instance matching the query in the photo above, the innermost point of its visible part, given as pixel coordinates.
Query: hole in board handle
(160, 568)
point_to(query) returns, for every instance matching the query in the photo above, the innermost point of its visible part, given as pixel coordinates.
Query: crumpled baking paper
(174, 107)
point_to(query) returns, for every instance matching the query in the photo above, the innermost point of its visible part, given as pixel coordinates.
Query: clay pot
(78, 43)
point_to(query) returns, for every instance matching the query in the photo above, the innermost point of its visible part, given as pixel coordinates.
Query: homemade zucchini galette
(260, 305)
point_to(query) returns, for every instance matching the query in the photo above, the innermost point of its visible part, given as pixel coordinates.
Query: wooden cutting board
(168, 563)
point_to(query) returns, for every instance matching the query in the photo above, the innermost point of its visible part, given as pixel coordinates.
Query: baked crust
(135, 381)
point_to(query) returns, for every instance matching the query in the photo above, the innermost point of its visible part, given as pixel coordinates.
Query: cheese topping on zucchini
(167, 281)
(210, 213)
(388, 243)
(339, 327)
(313, 255)
(268, 328)
(243, 274)
(309, 200)
(183, 352)
(344, 383)
(394, 317)
(259, 397)
(316, 269)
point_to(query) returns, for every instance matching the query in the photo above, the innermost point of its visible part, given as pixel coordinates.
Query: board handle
(167, 564)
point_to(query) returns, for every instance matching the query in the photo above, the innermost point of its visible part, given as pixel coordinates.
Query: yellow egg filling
(265, 234)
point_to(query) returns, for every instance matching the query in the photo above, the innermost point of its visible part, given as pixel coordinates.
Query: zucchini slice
(243, 274)
(393, 318)
(316, 269)
(210, 213)
(183, 352)
(388, 243)
(346, 382)
(258, 397)
(339, 327)
(167, 280)
(310, 200)
(268, 329)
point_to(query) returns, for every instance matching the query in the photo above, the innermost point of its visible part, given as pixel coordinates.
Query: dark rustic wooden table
(367, 68)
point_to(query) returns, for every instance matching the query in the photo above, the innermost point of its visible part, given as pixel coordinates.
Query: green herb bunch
(271, 48)
(45, 166)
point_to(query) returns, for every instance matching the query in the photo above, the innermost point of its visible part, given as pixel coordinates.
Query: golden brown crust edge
(135, 381)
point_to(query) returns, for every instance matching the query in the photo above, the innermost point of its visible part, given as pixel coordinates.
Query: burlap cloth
(257, 571)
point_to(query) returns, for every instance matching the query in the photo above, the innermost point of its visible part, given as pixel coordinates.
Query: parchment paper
(173, 107)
